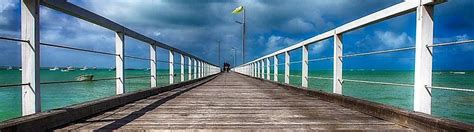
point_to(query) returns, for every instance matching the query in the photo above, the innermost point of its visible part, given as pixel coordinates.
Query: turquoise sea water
(449, 104)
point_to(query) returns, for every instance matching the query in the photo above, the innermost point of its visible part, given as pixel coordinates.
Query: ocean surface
(454, 105)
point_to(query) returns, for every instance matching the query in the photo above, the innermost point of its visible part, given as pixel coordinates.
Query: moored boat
(54, 69)
(86, 77)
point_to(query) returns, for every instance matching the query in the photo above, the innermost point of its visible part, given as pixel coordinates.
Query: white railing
(30, 52)
(423, 53)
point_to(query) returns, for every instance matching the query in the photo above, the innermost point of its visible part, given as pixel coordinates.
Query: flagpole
(243, 37)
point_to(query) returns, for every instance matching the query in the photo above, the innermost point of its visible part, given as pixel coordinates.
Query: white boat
(112, 69)
(54, 69)
(10, 68)
(87, 77)
(461, 73)
(94, 68)
(84, 68)
(70, 68)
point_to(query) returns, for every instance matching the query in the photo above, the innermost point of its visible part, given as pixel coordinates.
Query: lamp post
(219, 52)
(233, 50)
(243, 23)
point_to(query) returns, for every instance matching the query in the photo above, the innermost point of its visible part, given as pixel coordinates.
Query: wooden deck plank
(232, 102)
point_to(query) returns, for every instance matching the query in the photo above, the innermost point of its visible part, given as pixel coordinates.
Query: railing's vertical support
(119, 63)
(182, 67)
(171, 66)
(423, 59)
(263, 68)
(268, 68)
(258, 69)
(153, 66)
(199, 69)
(203, 69)
(254, 65)
(337, 68)
(195, 69)
(189, 68)
(275, 68)
(30, 57)
(254, 70)
(304, 68)
(287, 67)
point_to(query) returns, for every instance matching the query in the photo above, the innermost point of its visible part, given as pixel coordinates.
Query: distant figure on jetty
(226, 67)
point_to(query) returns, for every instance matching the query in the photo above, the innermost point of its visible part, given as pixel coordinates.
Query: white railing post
(423, 59)
(182, 67)
(275, 68)
(189, 68)
(119, 63)
(195, 69)
(199, 69)
(203, 69)
(258, 69)
(263, 68)
(153, 66)
(254, 69)
(337, 64)
(30, 57)
(287, 67)
(304, 64)
(268, 68)
(171, 67)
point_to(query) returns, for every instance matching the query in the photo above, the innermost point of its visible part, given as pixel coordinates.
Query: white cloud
(298, 25)
(277, 42)
(462, 37)
(393, 40)
(318, 47)
(7, 4)
(4, 6)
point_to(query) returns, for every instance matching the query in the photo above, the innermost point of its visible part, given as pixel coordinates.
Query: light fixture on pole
(233, 50)
(219, 52)
(238, 10)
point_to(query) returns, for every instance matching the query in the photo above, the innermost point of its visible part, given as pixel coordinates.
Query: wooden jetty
(230, 101)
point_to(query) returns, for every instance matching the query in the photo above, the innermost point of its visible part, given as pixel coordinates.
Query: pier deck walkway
(232, 102)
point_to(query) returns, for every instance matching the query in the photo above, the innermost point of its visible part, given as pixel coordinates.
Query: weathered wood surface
(232, 102)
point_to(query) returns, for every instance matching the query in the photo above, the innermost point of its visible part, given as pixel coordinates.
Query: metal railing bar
(380, 83)
(453, 43)
(321, 59)
(14, 39)
(13, 85)
(453, 89)
(379, 52)
(295, 62)
(134, 77)
(322, 78)
(138, 58)
(163, 61)
(78, 49)
(76, 81)
(295, 75)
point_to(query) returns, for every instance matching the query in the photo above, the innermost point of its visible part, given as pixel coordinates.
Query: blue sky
(196, 25)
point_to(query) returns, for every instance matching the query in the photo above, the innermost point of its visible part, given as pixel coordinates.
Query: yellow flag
(238, 10)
